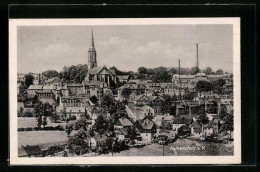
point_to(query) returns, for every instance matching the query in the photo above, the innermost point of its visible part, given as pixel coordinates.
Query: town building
(123, 78)
(33, 89)
(95, 73)
(139, 112)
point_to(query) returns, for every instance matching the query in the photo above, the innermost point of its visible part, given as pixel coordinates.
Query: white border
(15, 160)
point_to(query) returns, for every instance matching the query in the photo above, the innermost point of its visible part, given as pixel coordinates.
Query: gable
(104, 71)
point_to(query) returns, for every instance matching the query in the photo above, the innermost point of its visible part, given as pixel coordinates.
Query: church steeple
(92, 55)
(92, 39)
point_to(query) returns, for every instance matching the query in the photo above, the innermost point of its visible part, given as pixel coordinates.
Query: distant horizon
(126, 47)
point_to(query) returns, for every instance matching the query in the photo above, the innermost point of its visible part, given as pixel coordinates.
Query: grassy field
(31, 122)
(198, 149)
(40, 137)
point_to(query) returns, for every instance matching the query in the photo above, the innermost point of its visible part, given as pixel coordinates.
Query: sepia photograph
(125, 91)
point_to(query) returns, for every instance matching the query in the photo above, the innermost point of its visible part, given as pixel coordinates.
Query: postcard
(124, 91)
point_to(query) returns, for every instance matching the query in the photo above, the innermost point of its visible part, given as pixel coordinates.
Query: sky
(41, 48)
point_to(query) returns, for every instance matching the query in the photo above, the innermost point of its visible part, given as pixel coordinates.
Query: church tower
(92, 55)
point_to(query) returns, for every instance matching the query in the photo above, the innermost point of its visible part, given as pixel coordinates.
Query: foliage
(22, 88)
(167, 103)
(42, 110)
(229, 124)
(93, 99)
(20, 112)
(107, 101)
(194, 70)
(202, 117)
(28, 80)
(50, 73)
(142, 70)
(74, 73)
(218, 85)
(188, 95)
(162, 76)
(208, 71)
(141, 77)
(22, 97)
(126, 92)
(27, 114)
(119, 72)
(203, 86)
(219, 72)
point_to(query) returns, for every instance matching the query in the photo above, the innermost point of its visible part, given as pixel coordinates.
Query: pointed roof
(92, 39)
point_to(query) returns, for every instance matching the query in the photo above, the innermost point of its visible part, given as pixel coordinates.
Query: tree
(44, 122)
(228, 123)
(202, 118)
(173, 70)
(22, 88)
(167, 103)
(219, 72)
(202, 86)
(218, 85)
(126, 92)
(162, 76)
(208, 71)
(20, 112)
(64, 113)
(28, 80)
(141, 76)
(142, 70)
(50, 73)
(107, 101)
(194, 70)
(94, 99)
(74, 73)
(41, 111)
(188, 95)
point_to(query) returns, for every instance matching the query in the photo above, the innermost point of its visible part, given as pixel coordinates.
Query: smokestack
(179, 78)
(197, 49)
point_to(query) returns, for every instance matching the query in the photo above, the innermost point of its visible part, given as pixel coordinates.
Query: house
(123, 123)
(177, 123)
(163, 119)
(139, 112)
(73, 106)
(146, 128)
(75, 89)
(123, 78)
(196, 129)
(46, 97)
(121, 133)
(97, 140)
(102, 74)
(94, 88)
(134, 88)
(33, 89)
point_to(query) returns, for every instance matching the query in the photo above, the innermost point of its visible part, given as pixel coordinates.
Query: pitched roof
(195, 124)
(96, 83)
(96, 70)
(124, 77)
(48, 87)
(35, 87)
(146, 124)
(200, 74)
(74, 84)
(215, 76)
(125, 122)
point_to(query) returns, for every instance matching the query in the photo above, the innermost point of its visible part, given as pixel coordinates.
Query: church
(95, 73)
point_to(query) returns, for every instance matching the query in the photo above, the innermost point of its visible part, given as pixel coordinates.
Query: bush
(27, 114)
(73, 117)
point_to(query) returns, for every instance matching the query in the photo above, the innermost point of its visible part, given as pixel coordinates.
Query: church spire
(92, 55)
(92, 39)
